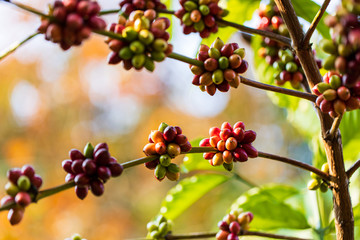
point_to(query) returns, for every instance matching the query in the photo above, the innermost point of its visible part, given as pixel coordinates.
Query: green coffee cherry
(322, 87)
(125, 53)
(240, 52)
(163, 229)
(313, 184)
(223, 62)
(160, 219)
(137, 47)
(129, 34)
(330, 94)
(158, 56)
(190, 5)
(328, 46)
(271, 51)
(218, 76)
(76, 236)
(199, 26)
(138, 61)
(173, 168)
(214, 53)
(151, 226)
(229, 166)
(154, 235)
(283, 30)
(149, 64)
(160, 171)
(204, 9)
(165, 160)
(279, 66)
(325, 168)
(335, 81)
(11, 189)
(162, 127)
(88, 150)
(291, 67)
(314, 176)
(218, 43)
(146, 37)
(329, 62)
(160, 45)
(323, 187)
(187, 20)
(344, 50)
(24, 183)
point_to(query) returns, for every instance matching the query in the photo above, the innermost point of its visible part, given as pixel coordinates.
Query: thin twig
(304, 95)
(30, 9)
(15, 46)
(334, 127)
(111, 11)
(315, 22)
(353, 169)
(186, 59)
(242, 233)
(296, 163)
(273, 36)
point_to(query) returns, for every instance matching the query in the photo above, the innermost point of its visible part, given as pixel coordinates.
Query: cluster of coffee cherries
(334, 97)
(316, 182)
(144, 40)
(200, 16)
(21, 190)
(352, 6)
(344, 48)
(233, 223)
(76, 236)
(71, 22)
(158, 228)
(91, 169)
(128, 6)
(233, 144)
(166, 143)
(222, 65)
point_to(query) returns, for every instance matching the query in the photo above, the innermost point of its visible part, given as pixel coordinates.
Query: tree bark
(344, 220)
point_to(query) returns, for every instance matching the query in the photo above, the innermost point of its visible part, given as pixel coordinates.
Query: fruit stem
(109, 34)
(334, 128)
(353, 169)
(315, 22)
(242, 233)
(165, 11)
(307, 96)
(296, 163)
(15, 46)
(186, 59)
(54, 190)
(139, 161)
(273, 36)
(111, 11)
(30, 9)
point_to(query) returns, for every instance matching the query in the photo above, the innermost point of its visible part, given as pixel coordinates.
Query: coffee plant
(286, 41)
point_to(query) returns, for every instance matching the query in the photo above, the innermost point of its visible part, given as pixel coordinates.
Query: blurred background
(52, 101)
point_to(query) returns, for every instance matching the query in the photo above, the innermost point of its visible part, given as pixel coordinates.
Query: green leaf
(187, 192)
(195, 161)
(239, 12)
(350, 133)
(270, 211)
(308, 9)
(356, 212)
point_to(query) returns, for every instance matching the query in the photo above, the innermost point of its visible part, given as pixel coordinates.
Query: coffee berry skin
(284, 61)
(159, 228)
(71, 22)
(21, 189)
(344, 47)
(144, 40)
(91, 169)
(233, 223)
(128, 6)
(167, 142)
(232, 144)
(223, 64)
(200, 16)
(334, 97)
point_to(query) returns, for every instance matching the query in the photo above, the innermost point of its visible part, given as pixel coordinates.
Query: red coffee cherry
(232, 224)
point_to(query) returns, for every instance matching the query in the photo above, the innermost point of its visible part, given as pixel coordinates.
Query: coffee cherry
(13, 175)
(23, 199)
(24, 183)
(15, 215)
(81, 192)
(116, 169)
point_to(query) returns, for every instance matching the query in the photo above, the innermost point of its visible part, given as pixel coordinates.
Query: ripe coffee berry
(200, 16)
(233, 144)
(344, 48)
(91, 169)
(158, 228)
(145, 40)
(22, 189)
(72, 22)
(334, 97)
(316, 182)
(128, 6)
(167, 143)
(222, 65)
(232, 224)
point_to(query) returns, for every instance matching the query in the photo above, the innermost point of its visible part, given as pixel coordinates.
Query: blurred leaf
(308, 9)
(270, 211)
(187, 192)
(350, 132)
(237, 15)
(356, 212)
(195, 161)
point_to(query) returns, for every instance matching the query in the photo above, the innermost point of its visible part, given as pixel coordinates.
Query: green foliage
(270, 209)
(307, 10)
(350, 132)
(187, 192)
